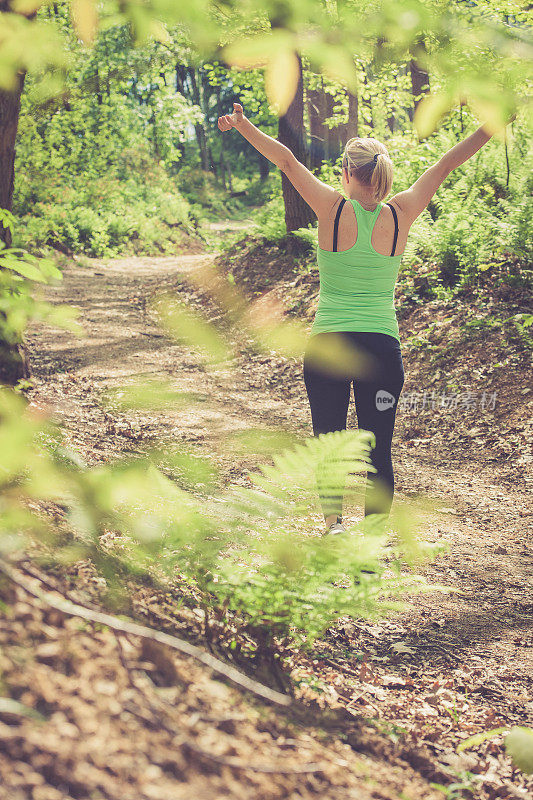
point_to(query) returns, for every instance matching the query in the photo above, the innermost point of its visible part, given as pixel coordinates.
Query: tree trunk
(212, 164)
(13, 360)
(98, 87)
(206, 90)
(9, 120)
(350, 129)
(198, 127)
(316, 104)
(153, 121)
(225, 172)
(333, 134)
(228, 175)
(291, 133)
(202, 145)
(14, 363)
(419, 80)
(222, 167)
(180, 79)
(264, 167)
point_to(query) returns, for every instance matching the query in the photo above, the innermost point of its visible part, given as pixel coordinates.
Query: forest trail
(469, 659)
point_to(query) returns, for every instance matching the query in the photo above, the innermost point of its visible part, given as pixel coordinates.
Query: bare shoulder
(399, 206)
(329, 211)
(334, 199)
(404, 221)
(330, 203)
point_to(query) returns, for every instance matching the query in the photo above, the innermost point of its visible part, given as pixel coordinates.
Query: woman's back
(382, 234)
(357, 282)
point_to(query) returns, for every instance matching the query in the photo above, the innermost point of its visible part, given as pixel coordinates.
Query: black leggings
(376, 392)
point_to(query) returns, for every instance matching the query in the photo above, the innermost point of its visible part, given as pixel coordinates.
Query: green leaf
(21, 267)
(85, 18)
(257, 51)
(64, 317)
(26, 7)
(519, 745)
(333, 61)
(10, 706)
(7, 220)
(281, 79)
(429, 111)
(478, 738)
(49, 269)
(150, 395)
(187, 326)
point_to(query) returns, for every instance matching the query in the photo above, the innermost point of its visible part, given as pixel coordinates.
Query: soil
(396, 697)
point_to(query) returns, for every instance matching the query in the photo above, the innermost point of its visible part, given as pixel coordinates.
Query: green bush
(204, 192)
(259, 192)
(104, 217)
(270, 220)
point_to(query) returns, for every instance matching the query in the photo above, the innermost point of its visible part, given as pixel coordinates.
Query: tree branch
(133, 628)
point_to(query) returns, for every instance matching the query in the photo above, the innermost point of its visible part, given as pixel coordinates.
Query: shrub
(270, 220)
(106, 218)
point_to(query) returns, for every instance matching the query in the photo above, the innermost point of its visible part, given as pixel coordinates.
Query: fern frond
(330, 464)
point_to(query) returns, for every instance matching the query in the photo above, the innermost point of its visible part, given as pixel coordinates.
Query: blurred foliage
(479, 50)
(20, 271)
(107, 157)
(518, 744)
(105, 153)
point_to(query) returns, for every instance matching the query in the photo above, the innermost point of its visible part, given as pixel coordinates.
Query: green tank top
(357, 285)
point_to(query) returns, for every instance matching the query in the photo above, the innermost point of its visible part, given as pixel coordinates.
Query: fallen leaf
(401, 647)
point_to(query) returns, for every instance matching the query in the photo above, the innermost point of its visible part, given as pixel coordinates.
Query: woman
(360, 245)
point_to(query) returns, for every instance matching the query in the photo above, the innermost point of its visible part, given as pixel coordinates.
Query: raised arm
(414, 200)
(317, 194)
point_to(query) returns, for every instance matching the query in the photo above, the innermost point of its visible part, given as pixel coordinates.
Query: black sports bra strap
(395, 227)
(336, 224)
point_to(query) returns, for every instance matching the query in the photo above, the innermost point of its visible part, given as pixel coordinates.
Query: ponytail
(368, 160)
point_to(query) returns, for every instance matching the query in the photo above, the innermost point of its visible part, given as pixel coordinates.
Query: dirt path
(469, 659)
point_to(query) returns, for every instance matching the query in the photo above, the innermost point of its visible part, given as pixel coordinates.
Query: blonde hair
(360, 159)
